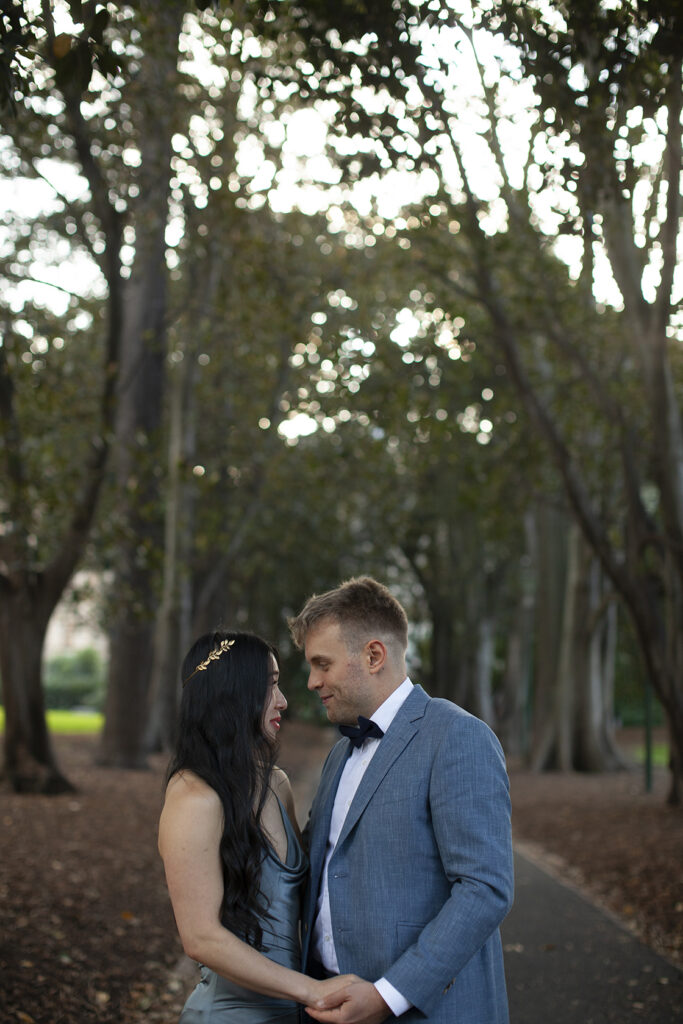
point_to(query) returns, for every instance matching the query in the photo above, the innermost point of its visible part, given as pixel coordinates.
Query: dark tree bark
(140, 405)
(173, 619)
(514, 713)
(30, 764)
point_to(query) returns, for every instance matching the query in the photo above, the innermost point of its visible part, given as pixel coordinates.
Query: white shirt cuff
(397, 1003)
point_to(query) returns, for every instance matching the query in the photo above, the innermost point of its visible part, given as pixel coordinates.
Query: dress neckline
(294, 851)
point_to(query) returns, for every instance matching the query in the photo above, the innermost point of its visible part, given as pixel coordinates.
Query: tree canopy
(470, 329)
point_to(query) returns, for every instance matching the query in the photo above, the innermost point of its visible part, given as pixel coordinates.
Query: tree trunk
(172, 628)
(565, 682)
(28, 595)
(595, 747)
(30, 765)
(482, 696)
(675, 724)
(513, 725)
(139, 419)
(551, 572)
(131, 634)
(650, 578)
(445, 680)
(578, 731)
(658, 616)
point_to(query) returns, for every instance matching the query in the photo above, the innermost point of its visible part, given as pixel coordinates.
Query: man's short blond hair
(362, 607)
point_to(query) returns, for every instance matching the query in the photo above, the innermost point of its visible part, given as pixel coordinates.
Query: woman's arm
(189, 836)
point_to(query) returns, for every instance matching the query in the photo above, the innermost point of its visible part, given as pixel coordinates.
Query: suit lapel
(398, 736)
(318, 831)
(321, 812)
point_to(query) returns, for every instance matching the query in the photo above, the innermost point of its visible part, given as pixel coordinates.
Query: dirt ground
(86, 930)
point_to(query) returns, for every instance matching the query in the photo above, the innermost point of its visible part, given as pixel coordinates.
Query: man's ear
(376, 654)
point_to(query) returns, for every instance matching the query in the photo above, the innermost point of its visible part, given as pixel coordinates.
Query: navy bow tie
(366, 728)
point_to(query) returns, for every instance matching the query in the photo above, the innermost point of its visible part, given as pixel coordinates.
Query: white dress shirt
(354, 770)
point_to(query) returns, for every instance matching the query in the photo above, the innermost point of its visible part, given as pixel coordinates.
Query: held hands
(329, 992)
(350, 1001)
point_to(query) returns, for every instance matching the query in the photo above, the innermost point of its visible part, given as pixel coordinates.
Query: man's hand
(358, 1003)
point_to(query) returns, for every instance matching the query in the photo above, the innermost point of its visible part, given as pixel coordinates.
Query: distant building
(75, 624)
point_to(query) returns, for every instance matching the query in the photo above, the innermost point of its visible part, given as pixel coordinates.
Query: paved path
(568, 962)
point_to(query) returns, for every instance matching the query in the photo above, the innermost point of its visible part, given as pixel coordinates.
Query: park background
(294, 291)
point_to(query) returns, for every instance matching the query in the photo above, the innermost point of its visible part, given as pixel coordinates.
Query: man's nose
(313, 681)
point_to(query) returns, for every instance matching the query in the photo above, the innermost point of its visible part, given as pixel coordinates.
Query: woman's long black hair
(221, 739)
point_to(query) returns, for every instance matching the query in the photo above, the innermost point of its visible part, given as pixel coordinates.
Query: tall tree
(46, 527)
(141, 388)
(70, 124)
(602, 160)
(240, 364)
(574, 717)
(117, 136)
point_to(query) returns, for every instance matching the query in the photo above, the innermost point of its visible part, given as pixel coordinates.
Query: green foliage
(73, 57)
(54, 367)
(630, 696)
(73, 680)
(272, 316)
(15, 37)
(630, 703)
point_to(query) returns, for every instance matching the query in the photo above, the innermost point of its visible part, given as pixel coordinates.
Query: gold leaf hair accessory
(223, 646)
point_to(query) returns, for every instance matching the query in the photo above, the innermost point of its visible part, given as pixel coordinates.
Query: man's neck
(392, 706)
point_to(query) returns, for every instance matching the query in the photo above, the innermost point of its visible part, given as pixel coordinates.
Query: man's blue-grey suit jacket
(421, 876)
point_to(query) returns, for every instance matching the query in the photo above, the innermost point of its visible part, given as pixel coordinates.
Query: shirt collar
(386, 712)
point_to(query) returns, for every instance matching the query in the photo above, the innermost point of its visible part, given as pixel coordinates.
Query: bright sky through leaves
(308, 180)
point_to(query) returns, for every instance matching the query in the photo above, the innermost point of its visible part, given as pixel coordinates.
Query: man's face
(339, 677)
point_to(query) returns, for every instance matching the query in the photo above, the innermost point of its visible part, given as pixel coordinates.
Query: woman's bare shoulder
(279, 781)
(192, 814)
(185, 787)
(282, 788)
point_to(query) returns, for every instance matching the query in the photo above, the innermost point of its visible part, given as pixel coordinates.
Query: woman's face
(275, 702)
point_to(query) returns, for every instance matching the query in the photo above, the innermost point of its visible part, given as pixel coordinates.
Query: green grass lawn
(660, 754)
(69, 723)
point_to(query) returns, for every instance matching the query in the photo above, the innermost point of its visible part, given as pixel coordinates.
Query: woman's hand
(354, 1002)
(330, 987)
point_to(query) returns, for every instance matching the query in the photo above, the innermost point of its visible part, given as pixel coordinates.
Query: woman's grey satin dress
(216, 1000)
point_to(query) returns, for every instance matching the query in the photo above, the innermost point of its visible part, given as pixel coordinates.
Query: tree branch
(62, 566)
(490, 296)
(16, 505)
(671, 226)
(29, 279)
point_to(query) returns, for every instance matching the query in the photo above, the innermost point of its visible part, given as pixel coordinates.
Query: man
(409, 832)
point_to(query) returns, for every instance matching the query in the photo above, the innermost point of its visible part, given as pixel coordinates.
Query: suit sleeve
(470, 813)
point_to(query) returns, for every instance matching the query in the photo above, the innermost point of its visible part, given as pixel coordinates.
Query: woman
(229, 840)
